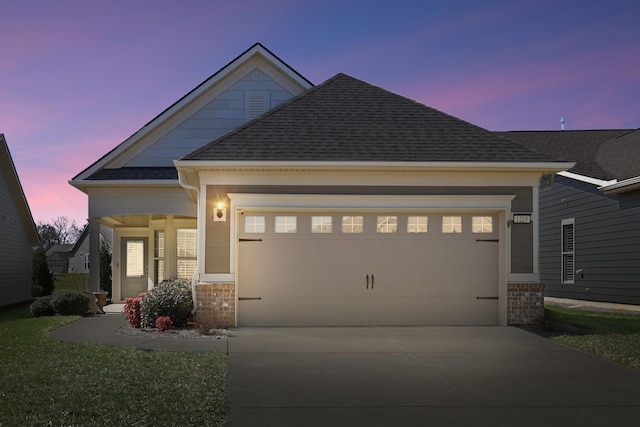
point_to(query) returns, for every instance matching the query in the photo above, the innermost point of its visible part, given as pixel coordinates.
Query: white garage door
(318, 268)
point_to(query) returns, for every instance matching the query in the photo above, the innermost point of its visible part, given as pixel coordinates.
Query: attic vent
(256, 103)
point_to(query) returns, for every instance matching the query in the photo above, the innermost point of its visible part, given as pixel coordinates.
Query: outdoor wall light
(219, 212)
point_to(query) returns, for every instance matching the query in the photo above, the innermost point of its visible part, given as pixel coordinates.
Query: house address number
(521, 218)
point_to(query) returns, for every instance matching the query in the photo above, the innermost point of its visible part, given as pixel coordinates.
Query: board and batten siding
(607, 243)
(15, 249)
(223, 114)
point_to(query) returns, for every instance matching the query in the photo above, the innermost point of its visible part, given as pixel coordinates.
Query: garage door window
(482, 224)
(352, 224)
(286, 224)
(321, 224)
(417, 224)
(254, 224)
(451, 224)
(387, 224)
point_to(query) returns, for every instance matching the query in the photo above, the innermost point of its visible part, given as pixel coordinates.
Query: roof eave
(630, 184)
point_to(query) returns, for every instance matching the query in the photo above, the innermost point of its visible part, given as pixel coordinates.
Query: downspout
(546, 187)
(196, 273)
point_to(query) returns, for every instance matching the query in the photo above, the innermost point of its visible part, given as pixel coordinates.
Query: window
(321, 224)
(254, 224)
(352, 224)
(186, 243)
(451, 224)
(135, 258)
(286, 224)
(387, 224)
(158, 255)
(417, 224)
(568, 251)
(482, 224)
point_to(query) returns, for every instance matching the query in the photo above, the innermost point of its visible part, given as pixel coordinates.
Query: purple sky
(79, 77)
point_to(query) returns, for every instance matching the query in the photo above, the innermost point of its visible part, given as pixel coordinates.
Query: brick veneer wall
(216, 303)
(525, 303)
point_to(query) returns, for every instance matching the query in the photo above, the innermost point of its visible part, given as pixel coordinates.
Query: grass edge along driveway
(48, 382)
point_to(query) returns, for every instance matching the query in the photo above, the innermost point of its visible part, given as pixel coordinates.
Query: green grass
(613, 336)
(48, 382)
(72, 282)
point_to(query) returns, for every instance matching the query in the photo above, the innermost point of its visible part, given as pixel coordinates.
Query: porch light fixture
(219, 212)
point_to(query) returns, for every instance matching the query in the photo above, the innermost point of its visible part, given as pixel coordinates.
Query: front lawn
(47, 382)
(71, 282)
(610, 335)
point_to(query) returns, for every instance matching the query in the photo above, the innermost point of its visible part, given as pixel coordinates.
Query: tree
(41, 278)
(60, 231)
(105, 266)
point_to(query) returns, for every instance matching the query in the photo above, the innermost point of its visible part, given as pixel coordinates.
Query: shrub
(132, 310)
(41, 277)
(69, 303)
(42, 307)
(163, 323)
(170, 298)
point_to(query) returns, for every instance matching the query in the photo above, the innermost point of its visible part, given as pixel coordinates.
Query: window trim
(566, 277)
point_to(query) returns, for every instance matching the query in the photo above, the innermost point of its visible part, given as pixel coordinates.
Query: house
(58, 258)
(18, 233)
(590, 214)
(338, 204)
(79, 252)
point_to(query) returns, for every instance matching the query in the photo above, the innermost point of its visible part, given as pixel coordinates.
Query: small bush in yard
(68, 303)
(42, 307)
(132, 310)
(163, 323)
(170, 298)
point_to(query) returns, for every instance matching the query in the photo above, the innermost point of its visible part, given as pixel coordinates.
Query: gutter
(196, 273)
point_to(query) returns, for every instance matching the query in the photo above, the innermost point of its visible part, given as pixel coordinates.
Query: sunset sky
(79, 77)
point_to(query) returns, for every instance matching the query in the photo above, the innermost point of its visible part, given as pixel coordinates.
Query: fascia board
(630, 184)
(587, 179)
(542, 167)
(83, 185)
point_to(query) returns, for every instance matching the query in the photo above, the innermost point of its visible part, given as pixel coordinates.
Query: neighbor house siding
(15, 249)
(223, 114)
(607, 243)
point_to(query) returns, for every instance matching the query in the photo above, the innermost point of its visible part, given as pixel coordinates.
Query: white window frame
(449, 226)
(186, 257)
(568, 252)
(253, 226)
(286, 224)
(482, 224)
(352, 226)
(417, 224)
(387, 224)
(321, 224)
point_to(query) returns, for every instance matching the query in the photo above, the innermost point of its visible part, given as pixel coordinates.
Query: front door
(135, 266)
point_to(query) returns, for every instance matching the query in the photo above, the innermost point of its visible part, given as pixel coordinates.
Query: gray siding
(218, 117)
(607, 242)
(15, 250)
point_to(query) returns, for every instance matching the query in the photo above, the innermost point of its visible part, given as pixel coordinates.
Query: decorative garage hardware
(487, 240)
(250, 240)
(487, 298)
(521, 218)
(248, 298)
(372, 281)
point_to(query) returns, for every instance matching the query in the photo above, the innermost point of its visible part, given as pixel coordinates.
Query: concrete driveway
(422, 376)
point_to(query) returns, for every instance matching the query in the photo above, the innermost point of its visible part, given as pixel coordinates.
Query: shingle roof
(134, 173)
(620, 156)
(581, 146)
(345, 119)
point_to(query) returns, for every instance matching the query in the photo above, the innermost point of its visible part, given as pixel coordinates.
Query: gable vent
(256, 103)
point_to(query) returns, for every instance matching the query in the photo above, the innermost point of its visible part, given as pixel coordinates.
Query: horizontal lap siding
(607, 244)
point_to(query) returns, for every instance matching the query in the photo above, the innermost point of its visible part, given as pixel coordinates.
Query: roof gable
(256, 63)
(16, 193)
(346, 120)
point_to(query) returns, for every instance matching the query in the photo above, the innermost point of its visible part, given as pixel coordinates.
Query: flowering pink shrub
(164, 323)
(132, 310)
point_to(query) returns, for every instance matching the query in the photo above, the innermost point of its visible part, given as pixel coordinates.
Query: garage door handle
(487, 297)
(372, 280)
(367, 281)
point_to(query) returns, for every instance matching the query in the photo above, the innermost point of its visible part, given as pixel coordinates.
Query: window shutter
(256, 103)
(568, 251)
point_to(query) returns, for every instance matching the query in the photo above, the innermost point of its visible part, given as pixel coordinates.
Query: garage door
(325, 268)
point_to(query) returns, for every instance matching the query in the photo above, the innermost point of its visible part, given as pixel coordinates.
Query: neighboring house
(590, 215)
(18, 234)
(343, 204)
(58, 258)
(79, 253)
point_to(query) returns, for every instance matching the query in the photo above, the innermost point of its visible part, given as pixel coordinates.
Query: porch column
(94, 255)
